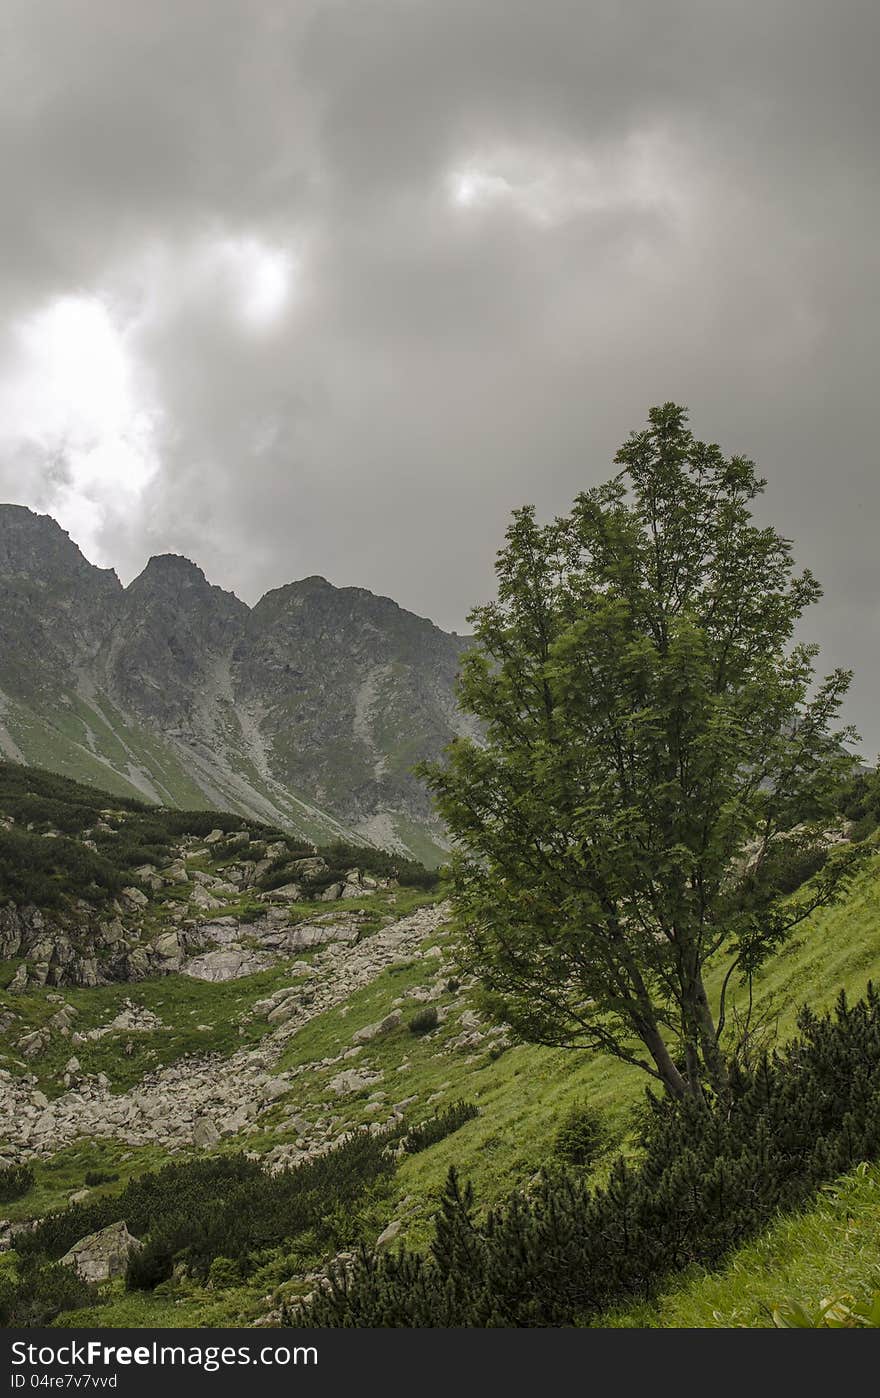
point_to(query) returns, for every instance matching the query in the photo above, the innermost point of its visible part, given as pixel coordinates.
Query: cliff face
(309, 709)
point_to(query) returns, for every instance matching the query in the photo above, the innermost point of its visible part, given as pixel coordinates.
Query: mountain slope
(307, 710)
(286, 1060)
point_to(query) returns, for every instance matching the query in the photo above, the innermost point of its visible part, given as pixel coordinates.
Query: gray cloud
(656, 200)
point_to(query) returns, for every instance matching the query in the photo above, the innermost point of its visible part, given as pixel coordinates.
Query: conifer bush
(224, 1206)
(15, 1181)
(581, 1137)
(711, 1177)
(423, 1021)
(438, 1126)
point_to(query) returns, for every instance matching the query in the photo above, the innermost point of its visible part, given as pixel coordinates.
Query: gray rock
(288, 893)
(104, 1255)
(309, 868)
(352, 1080)
(226, 965)
(205, 1133)
(372, 1031)
(388, 1234)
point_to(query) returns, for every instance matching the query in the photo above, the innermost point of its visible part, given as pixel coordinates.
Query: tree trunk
(713, 1058)
(672, 1079)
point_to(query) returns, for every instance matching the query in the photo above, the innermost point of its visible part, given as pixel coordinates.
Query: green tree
(651, 734)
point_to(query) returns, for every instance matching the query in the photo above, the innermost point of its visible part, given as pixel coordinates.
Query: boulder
(309, 868)
(372, 1031)
(227, 965)
(104, 1255)
(388, 1234)
(168, 945)
(288, 893)
(283, 1012)
(354, 890)
(352, 1080)
(201, 898)
(205, 1133)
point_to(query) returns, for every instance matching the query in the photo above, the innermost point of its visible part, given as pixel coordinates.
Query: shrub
(711, 1177)
(222, 1207)
(15, 1181)
(423, 1021)
(93, 1177)
(223, 1273)
(861, 803)
(441, 1124)
(581, 1137)
(150, 1265)
(39, 1291)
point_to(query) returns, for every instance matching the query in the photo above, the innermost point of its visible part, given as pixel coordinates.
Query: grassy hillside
(522, 1093)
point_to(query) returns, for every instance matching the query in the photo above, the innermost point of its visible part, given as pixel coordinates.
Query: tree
(654, 741)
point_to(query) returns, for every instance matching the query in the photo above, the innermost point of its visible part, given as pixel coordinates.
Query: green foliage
(581, 1137)
(36, 869)
(223, 1273)
(860, 802)
(424, 1020)
(787, 865)
(151, 1265)
(96, 1177)
(648, 724)
(226, 1207)
(15, 1181)
(37, 1291)
(48, 801)
(339, 858)
(438, 1126)
(831, 1248)
(710, 1177)
(843, 1312)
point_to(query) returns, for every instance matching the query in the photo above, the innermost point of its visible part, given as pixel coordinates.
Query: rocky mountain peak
(309, 709)
(171, 580)
(35, 546)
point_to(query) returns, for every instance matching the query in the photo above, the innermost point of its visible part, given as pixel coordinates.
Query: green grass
(181, 1002)
(522, 1093)
(831, 1249)
(56, 1179)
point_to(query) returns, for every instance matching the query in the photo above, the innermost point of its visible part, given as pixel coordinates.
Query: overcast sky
(316, 287)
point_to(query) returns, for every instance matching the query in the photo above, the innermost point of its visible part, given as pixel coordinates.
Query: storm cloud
(300, 288)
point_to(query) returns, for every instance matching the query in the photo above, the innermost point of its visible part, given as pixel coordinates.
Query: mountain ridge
(307, 709)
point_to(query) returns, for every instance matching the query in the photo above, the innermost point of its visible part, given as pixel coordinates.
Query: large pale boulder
(176, 872)
(201, 898)
(104, 1255)
(352, 1080)
(168, 945)
(226, 965)
(309, 868)
(372, 1031)
(205, 1133)
(288, 893)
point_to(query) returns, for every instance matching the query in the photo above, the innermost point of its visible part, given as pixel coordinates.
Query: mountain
(307, 711)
